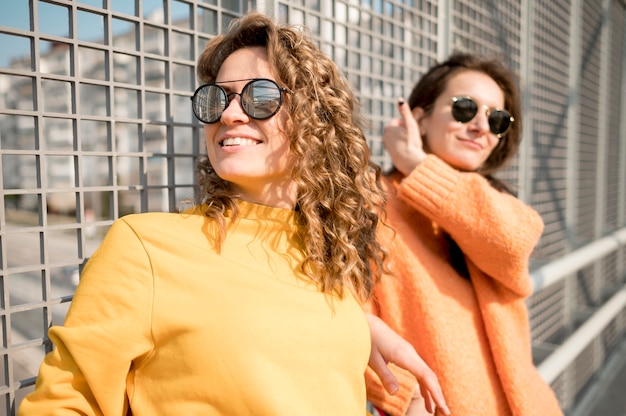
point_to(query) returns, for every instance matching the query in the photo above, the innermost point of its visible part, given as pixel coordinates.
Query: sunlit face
(252, 154)
(464, 146)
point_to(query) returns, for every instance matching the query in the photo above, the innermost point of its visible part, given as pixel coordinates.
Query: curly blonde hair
(339, 197)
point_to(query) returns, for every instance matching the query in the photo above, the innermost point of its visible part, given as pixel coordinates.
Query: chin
(464, 166)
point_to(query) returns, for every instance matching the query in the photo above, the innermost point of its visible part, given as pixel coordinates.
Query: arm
(107, 327)
(389, 347)
(496, 231)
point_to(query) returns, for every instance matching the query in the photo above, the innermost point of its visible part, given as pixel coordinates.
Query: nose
(480, 123)
(234, 112)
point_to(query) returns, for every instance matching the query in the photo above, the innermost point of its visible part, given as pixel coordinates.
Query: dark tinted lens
(209, 103)
(464, 109)
(499, 121)
(261, 99)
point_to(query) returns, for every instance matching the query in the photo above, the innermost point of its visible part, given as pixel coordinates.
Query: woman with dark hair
(459, 254)
(251, 302)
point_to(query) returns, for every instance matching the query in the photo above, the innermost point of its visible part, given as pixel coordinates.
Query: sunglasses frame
(488, 112)
(228, 100)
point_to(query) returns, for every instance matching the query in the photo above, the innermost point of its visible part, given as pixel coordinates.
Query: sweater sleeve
(497, 231)
(106, 329)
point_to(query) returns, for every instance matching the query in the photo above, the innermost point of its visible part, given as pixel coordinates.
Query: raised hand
(403, 141)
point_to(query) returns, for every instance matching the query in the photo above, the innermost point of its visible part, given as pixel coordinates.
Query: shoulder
(151, 218)
(162, 223)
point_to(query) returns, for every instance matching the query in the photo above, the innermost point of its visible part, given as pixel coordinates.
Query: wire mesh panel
(615, 102)
(610, 275)
(582, 370)
(548, 316)
(490, 27)
(546, 125)
(591, 48)
(587, 294)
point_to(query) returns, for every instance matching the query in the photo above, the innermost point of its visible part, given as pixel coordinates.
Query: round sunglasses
(260, 99)
(464, 109)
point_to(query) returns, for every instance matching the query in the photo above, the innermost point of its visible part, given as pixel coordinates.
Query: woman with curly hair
(251, 302)
(460, 253)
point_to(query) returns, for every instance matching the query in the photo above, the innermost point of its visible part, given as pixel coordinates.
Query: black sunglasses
(260, 99)
(464, 109)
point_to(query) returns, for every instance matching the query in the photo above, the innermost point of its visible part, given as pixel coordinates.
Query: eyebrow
(477, 101)
(236, 80)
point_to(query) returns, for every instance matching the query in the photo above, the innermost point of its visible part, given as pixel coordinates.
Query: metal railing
(557, 367)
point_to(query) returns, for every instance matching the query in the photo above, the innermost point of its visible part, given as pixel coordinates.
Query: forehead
(245, 63)
(477, 85)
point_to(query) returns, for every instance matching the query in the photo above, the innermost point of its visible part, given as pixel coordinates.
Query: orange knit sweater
(474, 334)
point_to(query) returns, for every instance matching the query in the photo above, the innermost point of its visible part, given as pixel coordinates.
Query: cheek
(280, 124)
(210, 130)
(277, 130)
(435, 131)
(494, 141)
(282, 151)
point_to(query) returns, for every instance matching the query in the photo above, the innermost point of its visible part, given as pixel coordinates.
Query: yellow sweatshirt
(473, 333)
(163, 324)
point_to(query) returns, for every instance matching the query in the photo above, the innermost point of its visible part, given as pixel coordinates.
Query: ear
(418, 112)
(419, 116)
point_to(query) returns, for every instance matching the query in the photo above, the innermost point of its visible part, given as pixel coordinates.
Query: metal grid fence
(95, 123)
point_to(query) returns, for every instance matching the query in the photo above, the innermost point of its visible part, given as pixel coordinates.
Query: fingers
(405, 115)
(408, 120)
(431, 390)
(431, 402)
(427, 379)
(377, 361)
(389, 347)
(418, 406)
(421, 404)
(402, 139)
(405, 110)
(378, 364)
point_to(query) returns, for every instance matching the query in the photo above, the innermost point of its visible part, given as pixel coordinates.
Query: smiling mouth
(238, 141)
(472, 143)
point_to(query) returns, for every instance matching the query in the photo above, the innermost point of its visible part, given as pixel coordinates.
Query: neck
(271, 196)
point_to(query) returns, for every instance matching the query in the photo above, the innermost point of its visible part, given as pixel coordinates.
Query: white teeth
(238, 141)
